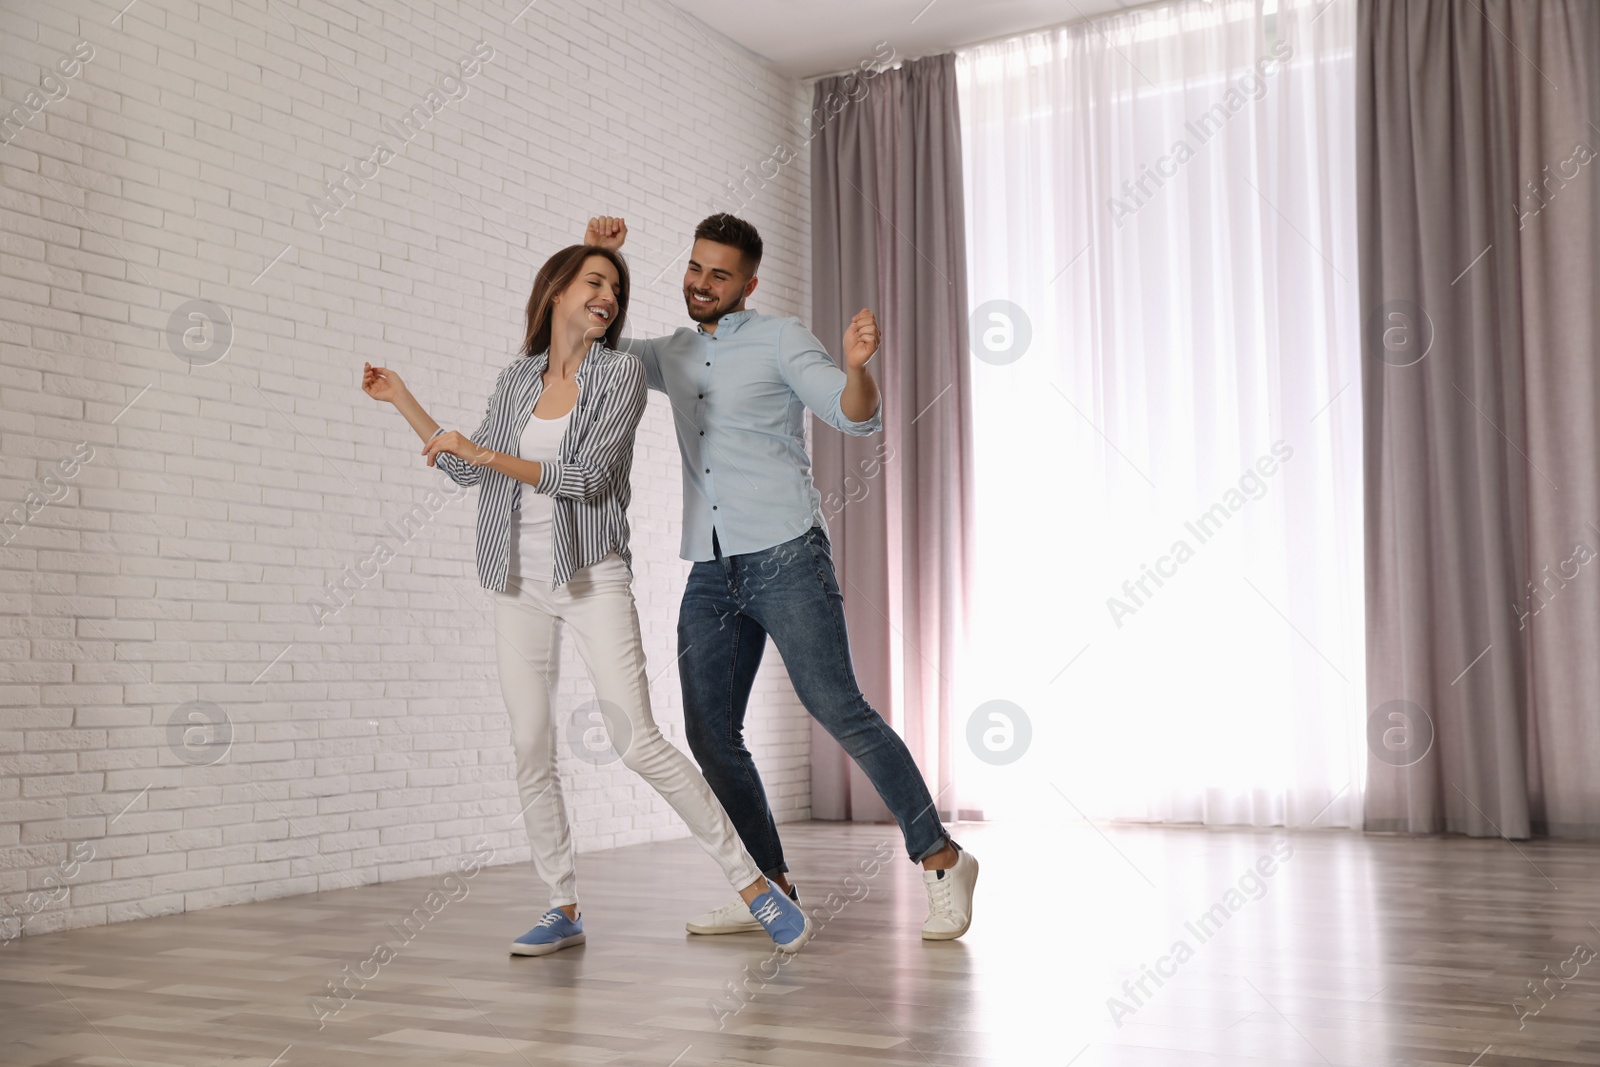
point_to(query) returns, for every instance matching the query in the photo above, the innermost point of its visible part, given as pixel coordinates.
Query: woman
(552, 460)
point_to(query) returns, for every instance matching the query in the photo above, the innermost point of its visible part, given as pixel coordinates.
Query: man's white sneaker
(733, 918)
(950, 899)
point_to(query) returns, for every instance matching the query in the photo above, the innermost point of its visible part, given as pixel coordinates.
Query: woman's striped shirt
(589, 481)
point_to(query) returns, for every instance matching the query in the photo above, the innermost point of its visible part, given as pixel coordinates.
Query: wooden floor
(1356, 950)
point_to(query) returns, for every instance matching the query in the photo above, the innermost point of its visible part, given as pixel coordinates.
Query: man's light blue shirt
(739, 398)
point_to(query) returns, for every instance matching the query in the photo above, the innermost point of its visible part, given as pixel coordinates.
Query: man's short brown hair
(735, 232)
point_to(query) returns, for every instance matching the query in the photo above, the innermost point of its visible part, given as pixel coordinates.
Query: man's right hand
(606, 231)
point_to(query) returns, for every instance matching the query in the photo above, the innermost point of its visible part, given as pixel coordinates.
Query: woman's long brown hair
(554, 277)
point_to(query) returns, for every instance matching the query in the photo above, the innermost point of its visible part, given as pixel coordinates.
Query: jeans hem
(945, 839)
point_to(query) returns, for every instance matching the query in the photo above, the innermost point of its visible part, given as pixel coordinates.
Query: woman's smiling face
(591, 301)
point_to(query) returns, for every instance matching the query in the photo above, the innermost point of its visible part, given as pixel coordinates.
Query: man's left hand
(861, 339)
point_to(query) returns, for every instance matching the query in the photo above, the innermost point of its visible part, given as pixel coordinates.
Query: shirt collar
(729, 322)
(541, 360)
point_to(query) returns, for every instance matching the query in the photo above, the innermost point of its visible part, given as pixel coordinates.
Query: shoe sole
(707, 931)
(951, 935)
(545, 950)
(945, 935)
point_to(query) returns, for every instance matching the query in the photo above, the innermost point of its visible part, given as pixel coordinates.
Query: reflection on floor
(1131, 946)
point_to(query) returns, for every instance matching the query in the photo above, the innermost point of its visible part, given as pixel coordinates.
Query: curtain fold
(1161, 209)
(1480, 304)
(888, 233)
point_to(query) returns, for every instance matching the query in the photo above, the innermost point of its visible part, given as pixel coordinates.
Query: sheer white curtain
(1161, 234)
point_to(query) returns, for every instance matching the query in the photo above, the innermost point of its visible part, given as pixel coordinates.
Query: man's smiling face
(715, 281)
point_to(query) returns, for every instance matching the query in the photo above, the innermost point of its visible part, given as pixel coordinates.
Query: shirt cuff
(866, 426)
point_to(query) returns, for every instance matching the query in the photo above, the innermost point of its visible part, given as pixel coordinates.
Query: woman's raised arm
(383, 384)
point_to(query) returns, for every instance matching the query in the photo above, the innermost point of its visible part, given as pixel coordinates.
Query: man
(740, 383)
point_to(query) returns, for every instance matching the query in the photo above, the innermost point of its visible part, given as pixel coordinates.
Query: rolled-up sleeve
(459, 470)
(598, 461)
(817, 380)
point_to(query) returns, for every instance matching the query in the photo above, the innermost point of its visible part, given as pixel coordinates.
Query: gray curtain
(1480, 254)
(888, 232)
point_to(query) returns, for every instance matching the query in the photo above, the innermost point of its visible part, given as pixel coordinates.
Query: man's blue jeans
(731, 605)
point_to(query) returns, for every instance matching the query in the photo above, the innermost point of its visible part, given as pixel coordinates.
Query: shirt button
(702, 433)
(702, 396)
(713, 507)
(708, 363)
(708, 470)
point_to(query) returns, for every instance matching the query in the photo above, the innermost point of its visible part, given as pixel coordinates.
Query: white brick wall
(177, 520)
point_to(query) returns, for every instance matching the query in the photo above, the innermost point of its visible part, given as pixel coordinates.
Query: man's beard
(712, 313)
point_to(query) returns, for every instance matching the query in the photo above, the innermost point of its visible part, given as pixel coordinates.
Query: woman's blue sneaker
(553, 933)
(784, 921)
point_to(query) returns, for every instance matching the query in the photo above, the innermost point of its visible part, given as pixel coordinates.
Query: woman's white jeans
(596, 607)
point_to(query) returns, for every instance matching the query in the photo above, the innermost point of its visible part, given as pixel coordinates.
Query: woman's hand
(458, 445)
(381, 383)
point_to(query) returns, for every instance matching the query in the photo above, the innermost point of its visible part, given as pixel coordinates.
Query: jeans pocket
(818, 539)
(822, 560)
